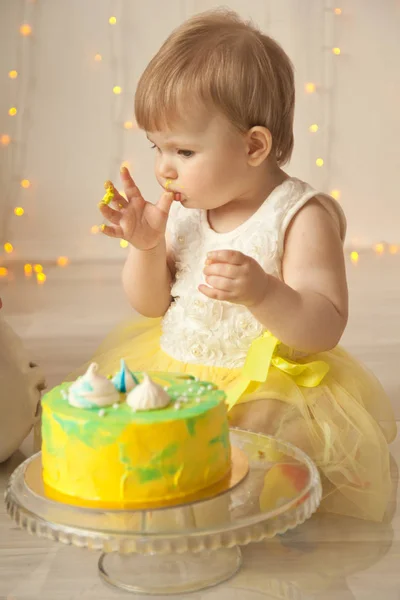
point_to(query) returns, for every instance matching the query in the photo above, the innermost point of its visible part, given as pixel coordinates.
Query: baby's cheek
(200, 179)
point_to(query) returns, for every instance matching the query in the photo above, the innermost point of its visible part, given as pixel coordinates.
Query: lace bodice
(197, 329)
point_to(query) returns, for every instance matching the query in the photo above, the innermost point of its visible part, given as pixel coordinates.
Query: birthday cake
(133, 438)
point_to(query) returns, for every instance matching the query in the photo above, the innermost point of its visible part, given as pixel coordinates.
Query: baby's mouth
(178, 196)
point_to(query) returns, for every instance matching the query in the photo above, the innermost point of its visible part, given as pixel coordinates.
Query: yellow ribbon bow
(261, 356)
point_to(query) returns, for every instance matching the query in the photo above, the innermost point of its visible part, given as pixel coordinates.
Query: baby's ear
(259, 145)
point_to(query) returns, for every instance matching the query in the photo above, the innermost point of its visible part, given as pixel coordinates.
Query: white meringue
(92, 390)
(148, 396)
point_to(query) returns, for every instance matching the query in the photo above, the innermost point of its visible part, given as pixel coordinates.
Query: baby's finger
(222, 270)
(221, 283)
(114, 216)
(119, 201)
(110, 192)
(130, 187)
(165, 202)
(113, 196)
(113, 231)
(215, 294)
(226, 256)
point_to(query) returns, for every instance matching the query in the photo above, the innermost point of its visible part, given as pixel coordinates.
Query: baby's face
(206, 161)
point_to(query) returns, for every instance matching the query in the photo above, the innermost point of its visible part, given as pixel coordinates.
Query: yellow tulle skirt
(343, 422)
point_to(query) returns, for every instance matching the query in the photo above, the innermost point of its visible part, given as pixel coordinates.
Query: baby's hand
(234, 277)
(140, 223)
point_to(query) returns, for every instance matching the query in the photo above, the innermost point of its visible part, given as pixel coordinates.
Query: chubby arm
(149, 268)
(146, 279)
(308, 310)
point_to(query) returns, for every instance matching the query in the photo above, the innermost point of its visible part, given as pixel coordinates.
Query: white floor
(63, 320)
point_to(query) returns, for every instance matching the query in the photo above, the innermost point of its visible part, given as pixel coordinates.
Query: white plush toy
(21, 384)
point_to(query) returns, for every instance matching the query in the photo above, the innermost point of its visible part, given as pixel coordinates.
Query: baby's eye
(186, 153)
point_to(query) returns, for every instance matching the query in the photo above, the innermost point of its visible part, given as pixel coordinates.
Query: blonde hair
(223, 63)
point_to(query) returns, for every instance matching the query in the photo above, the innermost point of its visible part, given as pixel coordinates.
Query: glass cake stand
(183, 548)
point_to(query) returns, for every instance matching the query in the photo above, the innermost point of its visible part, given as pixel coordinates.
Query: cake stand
(182, 548)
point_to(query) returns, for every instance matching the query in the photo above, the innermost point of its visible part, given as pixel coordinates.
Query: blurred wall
(68, 135)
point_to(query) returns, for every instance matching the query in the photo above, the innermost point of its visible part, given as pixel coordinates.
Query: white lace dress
(200, 330)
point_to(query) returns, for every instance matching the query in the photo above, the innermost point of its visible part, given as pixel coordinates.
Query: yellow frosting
(120, 458)
(109, 195)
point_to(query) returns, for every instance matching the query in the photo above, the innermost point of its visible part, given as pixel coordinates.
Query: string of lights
(14, 140)
(20, 87)
(327, 88)
(117, 57)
